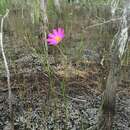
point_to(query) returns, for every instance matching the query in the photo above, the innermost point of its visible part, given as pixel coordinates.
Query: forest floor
(73, 102)
(77, 109)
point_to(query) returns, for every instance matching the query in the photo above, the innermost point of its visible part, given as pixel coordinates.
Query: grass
(68, 65)
(73, 49)
(3, 6)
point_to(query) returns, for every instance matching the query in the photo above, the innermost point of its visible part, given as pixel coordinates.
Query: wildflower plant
(55, 37)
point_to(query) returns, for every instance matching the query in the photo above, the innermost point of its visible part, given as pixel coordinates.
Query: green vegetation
(3, 6)
(51, 81)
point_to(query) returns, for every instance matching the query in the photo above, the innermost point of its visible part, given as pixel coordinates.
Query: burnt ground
(73, 102)
(77, 109)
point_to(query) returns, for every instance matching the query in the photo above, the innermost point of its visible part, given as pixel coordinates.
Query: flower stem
(65, 57)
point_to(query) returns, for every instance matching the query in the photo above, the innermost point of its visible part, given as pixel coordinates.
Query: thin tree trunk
(108, 103)
(7, 73)
(43, 7)
(57, 5)
(43, 19)
(118, 49)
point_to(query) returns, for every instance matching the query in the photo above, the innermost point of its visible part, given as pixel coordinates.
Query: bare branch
(105, 22)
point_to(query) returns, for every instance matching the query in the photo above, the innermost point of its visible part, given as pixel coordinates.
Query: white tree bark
(114, 5)
(117, 51)
(43, 7)
(7, 71)
(57, 5)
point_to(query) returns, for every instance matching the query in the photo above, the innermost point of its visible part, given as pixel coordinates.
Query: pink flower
(55, 37)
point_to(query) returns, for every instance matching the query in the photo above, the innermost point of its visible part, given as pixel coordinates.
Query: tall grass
(68, 21)
(3, 6)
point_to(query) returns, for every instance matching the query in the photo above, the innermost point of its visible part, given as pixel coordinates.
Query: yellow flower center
(57, 38)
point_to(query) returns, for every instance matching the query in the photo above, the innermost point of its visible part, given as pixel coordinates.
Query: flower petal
(61, 33)
(51, 41)
(62, 36)
(56, 36)
(59, 30)
(62, 30)
(55, 32)
(53, 44)
(50, 35)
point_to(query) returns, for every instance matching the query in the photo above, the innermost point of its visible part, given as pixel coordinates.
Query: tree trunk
(108, 103)
(57, 5)
(118, 49)
(43, 7)
(43, 19)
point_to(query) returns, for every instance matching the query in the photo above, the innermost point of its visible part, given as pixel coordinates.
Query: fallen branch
(5, 90)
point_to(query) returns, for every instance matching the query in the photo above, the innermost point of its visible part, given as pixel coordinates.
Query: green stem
(65, 57)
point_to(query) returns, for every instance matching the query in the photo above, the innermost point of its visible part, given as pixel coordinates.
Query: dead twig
(102, 23)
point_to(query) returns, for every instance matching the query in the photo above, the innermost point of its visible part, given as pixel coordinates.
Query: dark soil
(35, 107)
(76, 110)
